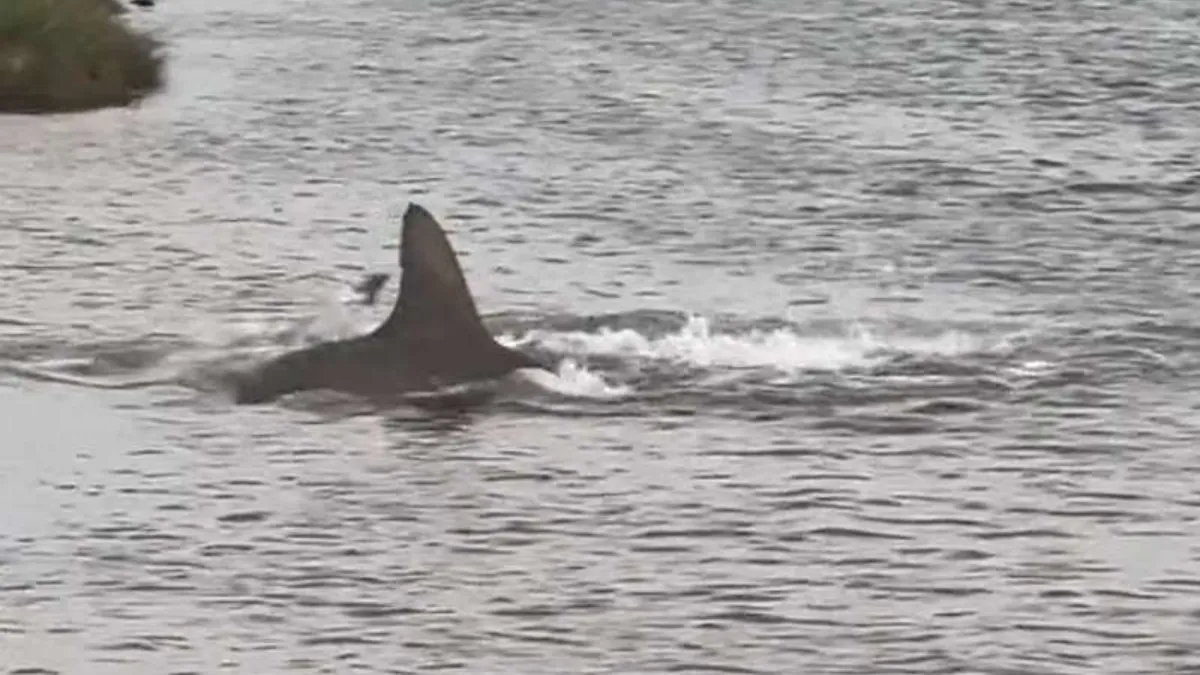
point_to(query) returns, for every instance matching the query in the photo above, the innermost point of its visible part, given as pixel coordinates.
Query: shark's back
(433, 337)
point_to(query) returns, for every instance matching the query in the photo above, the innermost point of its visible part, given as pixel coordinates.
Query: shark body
(433, 338)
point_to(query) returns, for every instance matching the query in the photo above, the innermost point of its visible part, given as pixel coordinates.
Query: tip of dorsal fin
(434, 300)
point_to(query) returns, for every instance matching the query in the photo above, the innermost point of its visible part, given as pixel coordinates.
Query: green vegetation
(69, 55)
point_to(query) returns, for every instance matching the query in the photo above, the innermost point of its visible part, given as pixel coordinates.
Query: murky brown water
(878, 329)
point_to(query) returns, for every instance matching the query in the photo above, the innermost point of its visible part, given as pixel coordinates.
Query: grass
(71, 55)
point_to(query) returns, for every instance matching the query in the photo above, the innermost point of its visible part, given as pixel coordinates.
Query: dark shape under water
(433, 338)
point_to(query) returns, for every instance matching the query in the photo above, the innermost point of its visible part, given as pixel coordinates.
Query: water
(876, 326)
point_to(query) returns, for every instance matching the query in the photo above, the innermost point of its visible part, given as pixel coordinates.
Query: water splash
(698, 345)
(574, 380)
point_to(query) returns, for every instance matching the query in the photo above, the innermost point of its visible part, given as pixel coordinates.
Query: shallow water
(876, 326)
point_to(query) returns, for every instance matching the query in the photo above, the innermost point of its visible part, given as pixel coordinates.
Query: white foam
(697, 345)
(338, 318)
(571, 379)
(333, 319)
(947, 343)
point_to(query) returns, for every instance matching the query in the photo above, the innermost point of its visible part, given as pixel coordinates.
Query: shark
(432, 340)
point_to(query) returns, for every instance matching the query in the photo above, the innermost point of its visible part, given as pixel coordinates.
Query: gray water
(876, 326)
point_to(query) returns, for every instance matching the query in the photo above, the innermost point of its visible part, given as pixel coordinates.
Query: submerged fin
(434, 302)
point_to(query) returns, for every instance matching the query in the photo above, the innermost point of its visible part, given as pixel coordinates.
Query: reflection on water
(875, 330)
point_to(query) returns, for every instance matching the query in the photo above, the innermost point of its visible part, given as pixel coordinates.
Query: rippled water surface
(876, 329)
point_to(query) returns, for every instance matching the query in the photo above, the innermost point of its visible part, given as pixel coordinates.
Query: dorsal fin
(434, 301)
